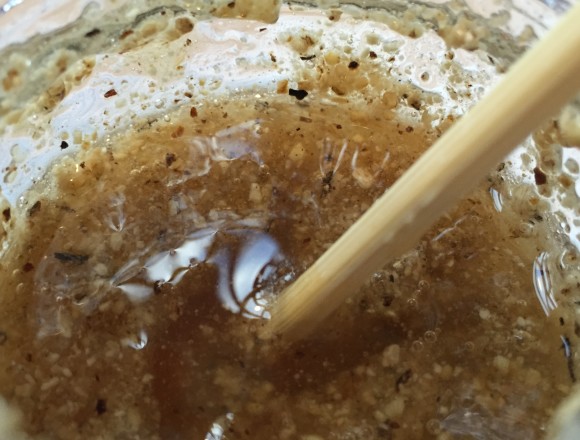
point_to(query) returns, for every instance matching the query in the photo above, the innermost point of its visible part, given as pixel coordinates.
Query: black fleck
(101, 406)
(298, 94)
(352, 65)
(308, 57)
(63, 145)
(67, 257)
(93, 32)
(35, 208)
(327, 182)
(403, 379)
(6, 214)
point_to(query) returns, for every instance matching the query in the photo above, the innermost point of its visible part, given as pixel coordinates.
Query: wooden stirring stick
(535, 88)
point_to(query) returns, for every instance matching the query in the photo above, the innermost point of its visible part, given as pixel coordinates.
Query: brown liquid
(447, 342)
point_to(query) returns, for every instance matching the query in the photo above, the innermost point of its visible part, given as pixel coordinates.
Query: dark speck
(372, 54)
(66, 257)
(35, 208)
(298, 94)
(403, 379)
(28, 267)
(352, 65)
(101, 406)
(169, 159)
(110, 93)
(308, 58)
(6, 214)
(540, 177)
(327, 182)
(63, 145)
(92, 33)
(387, 300)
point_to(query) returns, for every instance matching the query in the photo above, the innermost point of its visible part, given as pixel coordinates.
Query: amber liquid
(133, 297)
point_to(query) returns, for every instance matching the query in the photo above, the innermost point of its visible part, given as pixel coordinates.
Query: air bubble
(433, 427)
(417, 346)
(17, 153)
(571, 166)
(430, 336)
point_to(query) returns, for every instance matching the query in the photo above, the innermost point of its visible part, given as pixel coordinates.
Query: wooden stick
(535, 88)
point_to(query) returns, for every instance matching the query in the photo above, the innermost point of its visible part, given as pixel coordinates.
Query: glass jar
(168, 169)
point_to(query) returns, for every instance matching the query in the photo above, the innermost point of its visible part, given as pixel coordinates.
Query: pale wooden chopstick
(534, 88)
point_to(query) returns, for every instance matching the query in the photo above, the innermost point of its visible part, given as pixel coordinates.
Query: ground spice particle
(28, 267)
(110, 93)
(192, 111)
(125, 34)
(540, 177)
(178, 132)
(169, 159)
